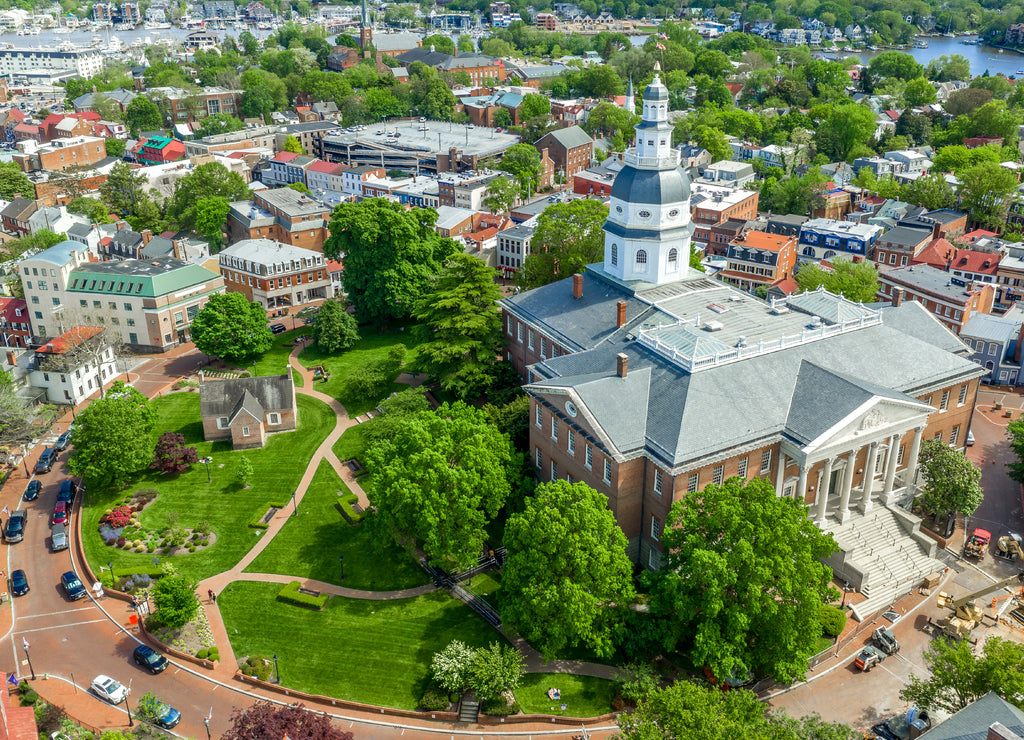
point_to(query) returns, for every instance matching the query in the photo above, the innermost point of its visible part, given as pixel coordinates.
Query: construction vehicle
(884, 639)
(1009, 547)
(977, 544)
(868, 658)
(967, 612)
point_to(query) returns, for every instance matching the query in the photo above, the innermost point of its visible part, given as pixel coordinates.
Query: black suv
(32, 491)
(147, 657)
(46, 461)
(278, 328)
(67, 492)
(73, 586)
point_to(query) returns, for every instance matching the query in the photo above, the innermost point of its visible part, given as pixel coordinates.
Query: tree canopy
(960, 677)
(113, 436)
(210, 180)
(742, 580)
(334, 329)
(857, 281)
(567, 573)
(231, 327)
(390, 256)
(440, 478)
(569, 236)
(266, 719)
(951, 481)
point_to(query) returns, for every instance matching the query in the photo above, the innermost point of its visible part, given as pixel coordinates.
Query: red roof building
(71, 338)
(15, 330)
(965, 263)
(19, 723)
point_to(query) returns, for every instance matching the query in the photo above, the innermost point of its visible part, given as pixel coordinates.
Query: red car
(60, 513)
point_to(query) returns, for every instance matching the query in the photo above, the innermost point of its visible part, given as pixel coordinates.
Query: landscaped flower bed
(121, 527)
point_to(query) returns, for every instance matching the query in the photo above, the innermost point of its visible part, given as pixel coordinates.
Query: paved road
(1001, 510)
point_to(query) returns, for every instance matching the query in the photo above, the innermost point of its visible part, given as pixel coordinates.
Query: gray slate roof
(990, 328)
(226, 397)
(570, 137)
(972, 722)
(906, 236)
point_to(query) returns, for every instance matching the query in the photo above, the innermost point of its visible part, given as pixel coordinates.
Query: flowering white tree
(453, 666)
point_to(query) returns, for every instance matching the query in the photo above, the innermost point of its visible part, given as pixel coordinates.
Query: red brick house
(246, 410)
(15, 330)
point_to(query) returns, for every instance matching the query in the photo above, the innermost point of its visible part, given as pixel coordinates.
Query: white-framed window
(993, 348)
(899, 456)
(652, 559)
(540, 458)
(766, 461)
(963, 395)
(655, 529)
(570, 442)
(589, 457)
(554, 427)
(693, 482)
(938, 436)
(519, 332)
(273, 418)
(222, 422)
(944, 404)
(529, 338)
(954, 436)
(540, 416)
(543, 347)
(719, 475)
(657, 481)
(554, 470)
(607, 471)
(245, 431)
(741, 469)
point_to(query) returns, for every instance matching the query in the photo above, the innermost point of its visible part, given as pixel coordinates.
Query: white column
(915, 449)
(801, 486)
(890, 467)
(868, 481)
(823, 491)
(780, 473)
(844, 498)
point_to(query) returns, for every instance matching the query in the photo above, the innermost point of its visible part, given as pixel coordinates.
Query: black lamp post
(110, 567)
(295, 509)
(277, 669)
(341, 559)
(207, 460)
(128, 709)
(206, 721)
(28, 657)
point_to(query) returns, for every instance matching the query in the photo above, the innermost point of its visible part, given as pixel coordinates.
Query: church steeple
(365, 29)
(630, 104)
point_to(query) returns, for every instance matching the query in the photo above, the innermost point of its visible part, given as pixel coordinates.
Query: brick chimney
(122, 225)
(620, 314)
(12, 359)
(147, 234)
(621, 364)
(897, 297)
(936, 230)
(177, 250)
(999, 731)
(577, 286)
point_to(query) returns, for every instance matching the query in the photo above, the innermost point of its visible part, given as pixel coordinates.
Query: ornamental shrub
(832, 618)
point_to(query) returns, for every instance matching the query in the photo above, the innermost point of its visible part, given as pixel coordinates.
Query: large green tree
(960, 677)
(495, 669)
(951, 481)
(568, 237)
(522, 161)
(231, 327)
(439, 479)
(142, 114)
(210, 220)
(857, 281)
(985, 193)
(931, 191)
(843, 129)
(218, 123)
(742, 580)
(390, 256)
(210, 180)
(13, 182)
(175, 600)
(567, 573)
(124, 190)
(113, 436)
(334, 329)
(502, 194)
(459, 326)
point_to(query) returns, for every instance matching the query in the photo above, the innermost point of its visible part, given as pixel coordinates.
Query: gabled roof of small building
(255, 395)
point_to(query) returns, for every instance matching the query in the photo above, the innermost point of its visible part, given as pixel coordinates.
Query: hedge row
(346, 501)
(153, 571)
(257, 520)
(292, 594)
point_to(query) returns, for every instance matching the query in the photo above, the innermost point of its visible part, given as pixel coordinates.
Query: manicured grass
(824, 643)
(583, 696)
(486, 584)
(377, 652)
(308, 546)
(275, 360)
(297, 378)
(372, 346)
(351, 444)
(223, 502)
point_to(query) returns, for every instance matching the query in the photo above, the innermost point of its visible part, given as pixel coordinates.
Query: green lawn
(377, 652)
(583, 696)
(485, 584)
(275, 360)
(309, 544)
(223, 503)
(351, 444)
(373, 345)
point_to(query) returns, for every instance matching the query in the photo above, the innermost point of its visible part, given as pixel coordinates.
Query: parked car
(278, 328)
(73, 586)
(15, 529)
(147, 657)
(60, 513)
(45, 462)
(32, 490)
(58, 538)
(165, 716)
(19, 583)
(67, 492)
(62, 442)
(108, 689)
(970, 438)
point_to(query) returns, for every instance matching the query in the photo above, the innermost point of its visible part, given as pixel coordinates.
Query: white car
(108, 689)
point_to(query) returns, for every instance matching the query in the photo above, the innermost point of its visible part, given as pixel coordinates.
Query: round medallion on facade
(570, 408)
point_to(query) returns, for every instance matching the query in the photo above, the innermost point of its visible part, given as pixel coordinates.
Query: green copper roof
(141, 278)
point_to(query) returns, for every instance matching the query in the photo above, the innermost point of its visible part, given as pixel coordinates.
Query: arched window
(808, 251)
(829, 255)
(615, 254)
(641, 260)
(673, 258)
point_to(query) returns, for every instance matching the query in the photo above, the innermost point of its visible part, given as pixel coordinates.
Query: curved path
(70, 642)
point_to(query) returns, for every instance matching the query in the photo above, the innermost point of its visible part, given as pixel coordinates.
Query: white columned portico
(915, 450)
(780, 473)
(890, 467)
(823, 491)
(868, 481)
(844, 498)
(801, 486)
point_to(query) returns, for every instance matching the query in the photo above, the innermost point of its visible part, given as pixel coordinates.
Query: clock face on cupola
(647, 234)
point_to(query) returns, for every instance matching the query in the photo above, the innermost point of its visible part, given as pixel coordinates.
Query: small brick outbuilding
(246, 410)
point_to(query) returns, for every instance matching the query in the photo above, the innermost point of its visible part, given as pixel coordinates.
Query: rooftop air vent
(714, 326)
(815, 323)
(778, 310)
(741, 342)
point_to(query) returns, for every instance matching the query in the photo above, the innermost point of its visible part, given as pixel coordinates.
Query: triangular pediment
(877, 416)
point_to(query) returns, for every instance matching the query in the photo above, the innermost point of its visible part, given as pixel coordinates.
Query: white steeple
(647, 234)
(630, 104)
